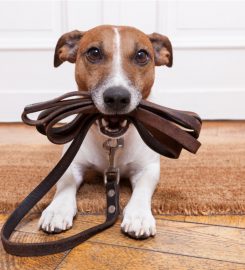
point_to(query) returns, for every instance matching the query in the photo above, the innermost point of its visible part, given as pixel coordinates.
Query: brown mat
(212, 182)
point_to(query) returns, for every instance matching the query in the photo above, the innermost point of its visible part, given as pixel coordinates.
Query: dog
(117, 65)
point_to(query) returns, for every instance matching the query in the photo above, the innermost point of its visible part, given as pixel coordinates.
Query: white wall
(208, 75)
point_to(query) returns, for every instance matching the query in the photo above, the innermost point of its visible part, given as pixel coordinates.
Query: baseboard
(208, 104)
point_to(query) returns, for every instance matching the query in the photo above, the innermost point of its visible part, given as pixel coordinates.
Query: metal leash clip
(112, 145)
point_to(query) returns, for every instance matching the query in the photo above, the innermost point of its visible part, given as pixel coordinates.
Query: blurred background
(208, 38)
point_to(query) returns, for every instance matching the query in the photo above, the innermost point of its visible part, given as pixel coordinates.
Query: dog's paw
(57, 217)
(138, 223)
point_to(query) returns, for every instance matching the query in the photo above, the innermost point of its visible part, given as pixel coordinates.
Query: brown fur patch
(73, 46)
(89, 75)
(133, 40)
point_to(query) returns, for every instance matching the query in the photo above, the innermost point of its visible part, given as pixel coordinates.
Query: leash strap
(164, 130)
(39, 249)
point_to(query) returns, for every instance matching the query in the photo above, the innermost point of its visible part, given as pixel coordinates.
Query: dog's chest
(131, 157)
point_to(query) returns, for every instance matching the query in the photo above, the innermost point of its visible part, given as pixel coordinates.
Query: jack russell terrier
(117, 65)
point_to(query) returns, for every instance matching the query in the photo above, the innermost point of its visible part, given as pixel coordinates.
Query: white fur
(118, 77)
(137, 161)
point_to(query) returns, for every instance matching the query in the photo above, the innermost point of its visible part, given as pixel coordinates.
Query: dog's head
(115, 63)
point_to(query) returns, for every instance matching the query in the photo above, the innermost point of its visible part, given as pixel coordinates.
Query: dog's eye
(94, 55)
(142, 57)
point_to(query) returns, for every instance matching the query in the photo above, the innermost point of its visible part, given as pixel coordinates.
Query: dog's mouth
(113, 126)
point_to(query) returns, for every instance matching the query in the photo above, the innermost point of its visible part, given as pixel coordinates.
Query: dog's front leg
(58, 216)
(138, 220)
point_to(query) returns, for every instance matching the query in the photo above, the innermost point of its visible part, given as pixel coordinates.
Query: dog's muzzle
(116, 102)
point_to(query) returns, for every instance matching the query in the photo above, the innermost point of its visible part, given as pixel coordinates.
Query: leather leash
(164, 130)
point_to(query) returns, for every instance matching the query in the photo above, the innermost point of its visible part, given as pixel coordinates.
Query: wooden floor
(214, 242)
(182, 242)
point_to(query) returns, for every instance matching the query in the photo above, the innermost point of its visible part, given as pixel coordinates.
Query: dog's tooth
(104, 122)
(124, 123)
(108, 129)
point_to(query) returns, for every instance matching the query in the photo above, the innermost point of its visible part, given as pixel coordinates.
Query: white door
(208, 37)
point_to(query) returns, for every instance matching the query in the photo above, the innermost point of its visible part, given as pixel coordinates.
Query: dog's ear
(162, 46)
(66, 47)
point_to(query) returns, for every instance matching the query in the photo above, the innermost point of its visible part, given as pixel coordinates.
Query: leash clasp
(112, 172)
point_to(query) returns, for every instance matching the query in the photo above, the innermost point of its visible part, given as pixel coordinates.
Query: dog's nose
(116, 98)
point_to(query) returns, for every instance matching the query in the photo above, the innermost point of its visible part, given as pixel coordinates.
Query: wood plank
(226, 220)
(162, 253)
(91, 255)
(9, 262)
(188, 239)
(223, 220)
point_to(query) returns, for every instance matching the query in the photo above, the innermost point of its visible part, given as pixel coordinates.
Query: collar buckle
(111, 146)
